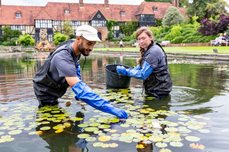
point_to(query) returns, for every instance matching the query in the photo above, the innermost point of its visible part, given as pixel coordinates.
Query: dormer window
(154, 8)
(18, 15)
(66, 11)
(122, 13)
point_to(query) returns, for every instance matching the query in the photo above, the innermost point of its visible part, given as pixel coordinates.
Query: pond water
(194, 118)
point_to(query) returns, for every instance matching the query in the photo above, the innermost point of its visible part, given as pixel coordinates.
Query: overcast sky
(43, 2)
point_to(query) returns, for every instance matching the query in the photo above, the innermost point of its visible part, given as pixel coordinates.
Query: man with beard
(62, 70)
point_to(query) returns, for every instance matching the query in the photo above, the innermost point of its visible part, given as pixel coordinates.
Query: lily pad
(14, 132)
(104, 138)
(165, 150)
(45, 128)
(83, 135)
(91, 129)
(104, 126)
(161, 145)
(176, 144)
(192, 138)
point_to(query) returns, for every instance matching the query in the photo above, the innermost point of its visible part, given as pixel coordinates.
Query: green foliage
(11, 42)
(172, 17)
(156, 31)
(175, 31)
(9, 36)
(178, 39)
(67, 29)
(214, 9)
(59, 38)
(110, 35)
(158, 22)
(128, 28)
(110, 24)
(26, 40)
(206, 8)
(183, 33)
(129, 38)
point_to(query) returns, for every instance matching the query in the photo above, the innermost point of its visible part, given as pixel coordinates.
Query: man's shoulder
(62, 54)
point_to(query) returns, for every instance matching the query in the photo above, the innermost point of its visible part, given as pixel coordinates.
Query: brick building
(51, 17)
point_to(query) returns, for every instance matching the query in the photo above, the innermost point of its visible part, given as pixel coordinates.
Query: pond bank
(215, 57)
(194, 56)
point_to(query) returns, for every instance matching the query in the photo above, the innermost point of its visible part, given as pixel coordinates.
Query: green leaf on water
(83, 136)
(91, 129)
(45, 128)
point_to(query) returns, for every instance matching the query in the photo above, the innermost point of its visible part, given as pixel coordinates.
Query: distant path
(215, 57)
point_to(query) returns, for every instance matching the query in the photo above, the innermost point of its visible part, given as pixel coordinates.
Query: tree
(206, 8)
(213, 10)
(223, 23)
(212, 27)
(128, 28)
(8, 34)
(172, 17)
(67, 29)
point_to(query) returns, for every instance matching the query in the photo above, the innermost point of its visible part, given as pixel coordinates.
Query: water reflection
(199, 90)
(61, 132)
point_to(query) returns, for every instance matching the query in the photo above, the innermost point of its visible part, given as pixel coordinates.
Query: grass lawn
(186, 49)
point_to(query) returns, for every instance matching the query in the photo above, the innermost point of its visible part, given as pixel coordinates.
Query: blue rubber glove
(121, 70)
(139, 72)
(84, 93)
(78, 71)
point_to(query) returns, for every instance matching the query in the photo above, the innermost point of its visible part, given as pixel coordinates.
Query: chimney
(81, 3)
(176, 3)
(106, 3)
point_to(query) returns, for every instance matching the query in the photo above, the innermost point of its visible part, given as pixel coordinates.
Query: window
(17, 27)
(18, 15)
(122, 13)
(97, 23)
(43, 23)
(66, 11)
(116, 28)
(76, 23)
(154, 8)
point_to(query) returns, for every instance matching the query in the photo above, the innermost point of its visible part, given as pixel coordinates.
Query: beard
(84, 51)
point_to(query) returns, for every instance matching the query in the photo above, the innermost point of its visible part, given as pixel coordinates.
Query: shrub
(178, 39)
(11, 42)
(59, 38)
(26, 40)
(175, 31)
(190, 39)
